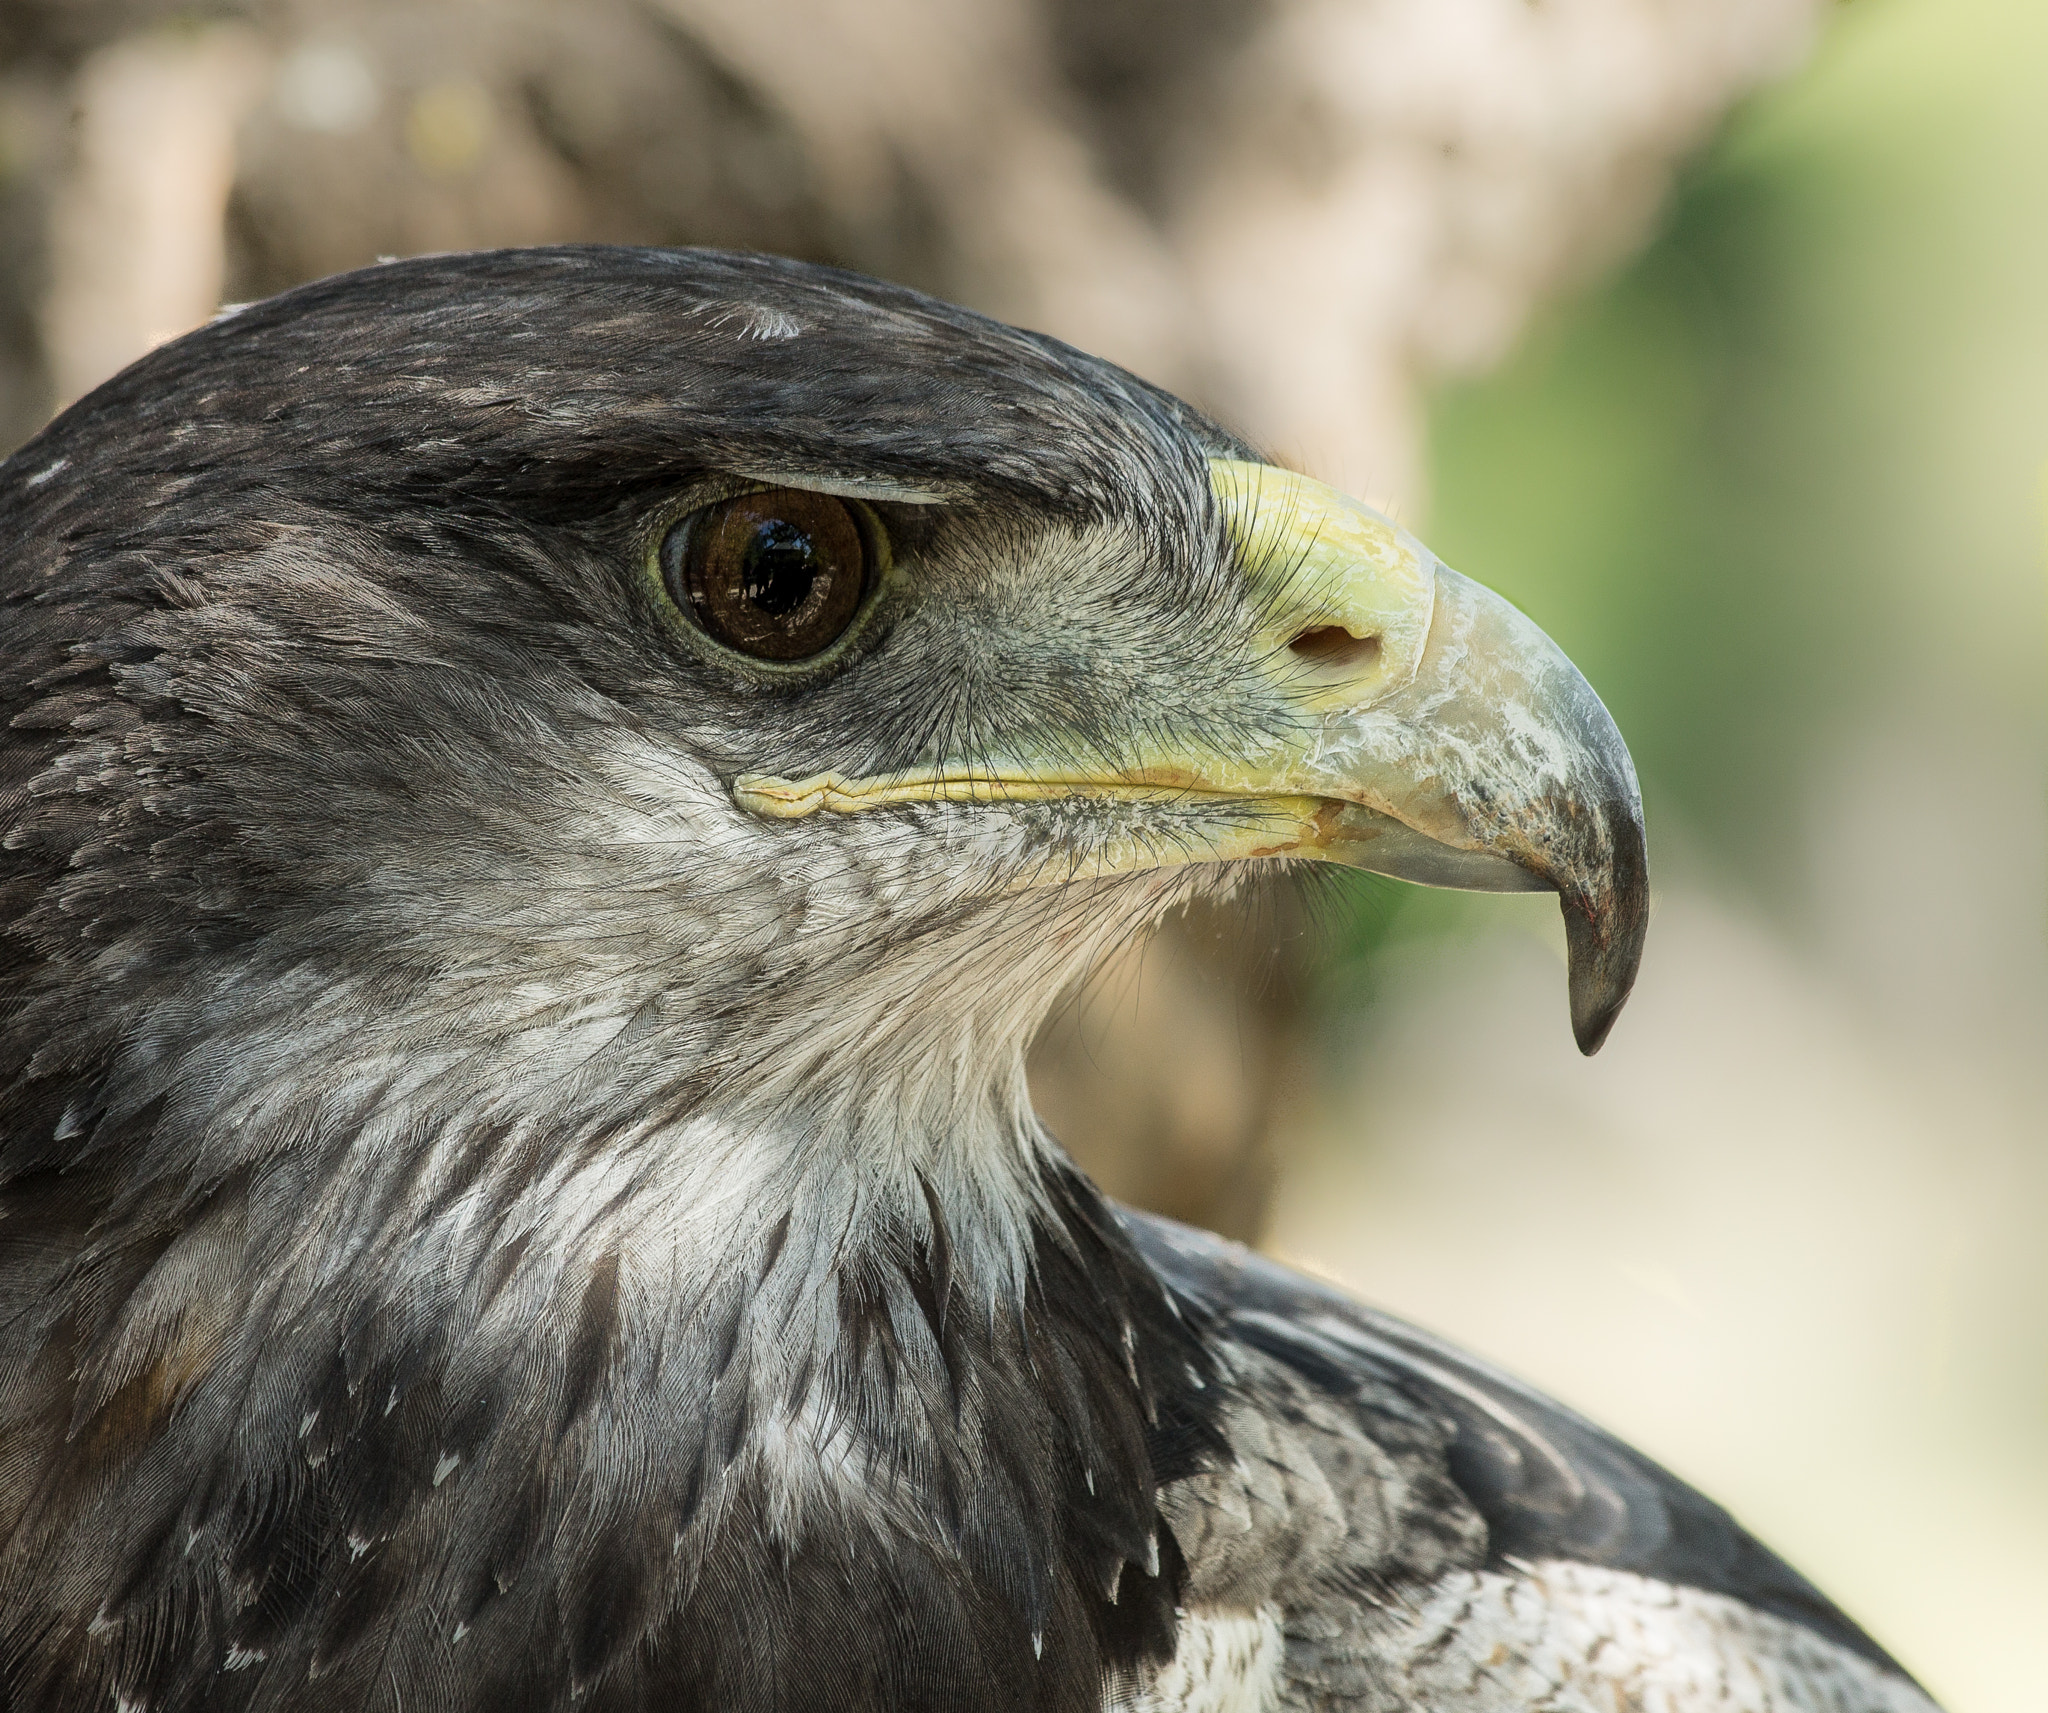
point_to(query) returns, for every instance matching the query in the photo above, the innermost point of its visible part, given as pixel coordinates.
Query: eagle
(543, 796)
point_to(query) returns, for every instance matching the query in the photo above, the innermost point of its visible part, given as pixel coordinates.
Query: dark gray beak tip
(1604, 935)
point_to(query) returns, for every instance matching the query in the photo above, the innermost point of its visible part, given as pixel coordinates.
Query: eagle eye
(777, 575)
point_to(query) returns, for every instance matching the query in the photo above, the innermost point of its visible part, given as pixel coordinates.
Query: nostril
(1334, 648)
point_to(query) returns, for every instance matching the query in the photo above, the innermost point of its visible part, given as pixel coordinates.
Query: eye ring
(777, 575)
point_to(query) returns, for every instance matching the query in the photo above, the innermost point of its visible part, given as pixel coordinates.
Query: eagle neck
(653, 1407)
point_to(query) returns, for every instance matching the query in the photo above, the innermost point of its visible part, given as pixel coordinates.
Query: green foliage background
(1782, 478)
(1780, 487)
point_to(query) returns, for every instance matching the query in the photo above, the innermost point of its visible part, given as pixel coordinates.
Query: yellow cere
(1322, 561)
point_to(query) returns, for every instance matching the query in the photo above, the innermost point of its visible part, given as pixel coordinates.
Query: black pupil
(778, 568)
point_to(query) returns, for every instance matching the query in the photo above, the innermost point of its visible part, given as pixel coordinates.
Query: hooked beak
(1496, 769)
(1432, 733)
(1467, 750)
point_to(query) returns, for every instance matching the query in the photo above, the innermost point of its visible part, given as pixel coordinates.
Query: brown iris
(777, 575)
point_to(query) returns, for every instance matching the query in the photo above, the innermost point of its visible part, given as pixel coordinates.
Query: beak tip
(1600, 983)
(1591, 1023)
(1604, 945)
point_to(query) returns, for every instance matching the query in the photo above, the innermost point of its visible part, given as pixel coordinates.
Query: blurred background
(1714, 332)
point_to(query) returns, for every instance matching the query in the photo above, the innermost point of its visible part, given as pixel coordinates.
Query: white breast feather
(1559, 1637)
(1553, 1637)
(1224, 1662)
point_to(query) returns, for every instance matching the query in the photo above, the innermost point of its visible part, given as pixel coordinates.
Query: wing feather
(1549, 1484)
